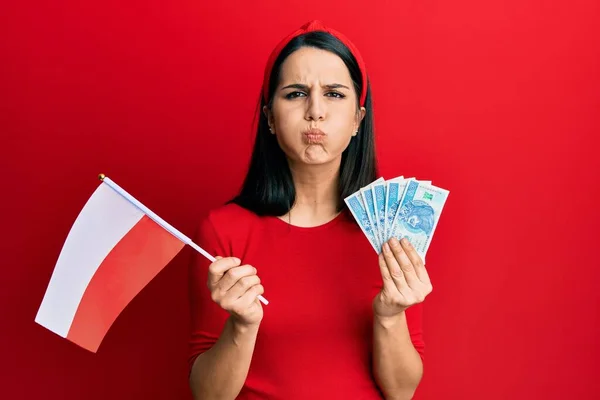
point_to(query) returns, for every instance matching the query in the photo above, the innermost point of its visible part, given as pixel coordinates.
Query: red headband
(312, 27)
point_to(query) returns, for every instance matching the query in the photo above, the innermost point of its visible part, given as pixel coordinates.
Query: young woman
(341, 323)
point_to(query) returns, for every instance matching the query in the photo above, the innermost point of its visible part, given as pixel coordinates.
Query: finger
(416, 260)
(405, 264)
(388, 282)
(217, 269)
(250, 297)
(233, 275)
(242, 286)
(391, 270)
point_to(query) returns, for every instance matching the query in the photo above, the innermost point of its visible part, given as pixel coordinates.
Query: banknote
(418, 214)
(378, 192)
(368, 201)
(357, 208)
(394, 191)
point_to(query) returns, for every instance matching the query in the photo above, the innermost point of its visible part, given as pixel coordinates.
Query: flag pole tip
(101, 177)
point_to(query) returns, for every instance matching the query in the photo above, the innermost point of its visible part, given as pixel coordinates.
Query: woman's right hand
(235, 288)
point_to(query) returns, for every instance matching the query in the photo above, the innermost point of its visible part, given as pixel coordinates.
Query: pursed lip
(314, 136)
(314, 133)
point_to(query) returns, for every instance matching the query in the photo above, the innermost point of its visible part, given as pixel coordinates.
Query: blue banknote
(394, 190)
(367, 196)
(357, 208)
(418, 214)
(378, 191)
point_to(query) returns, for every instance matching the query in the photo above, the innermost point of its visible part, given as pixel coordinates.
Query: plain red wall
(496, 101)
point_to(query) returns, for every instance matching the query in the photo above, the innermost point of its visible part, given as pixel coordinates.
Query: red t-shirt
(315, 339)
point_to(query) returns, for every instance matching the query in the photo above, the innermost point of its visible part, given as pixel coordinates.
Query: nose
(316, 108)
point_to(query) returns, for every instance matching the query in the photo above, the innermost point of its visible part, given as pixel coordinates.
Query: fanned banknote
(398, 208)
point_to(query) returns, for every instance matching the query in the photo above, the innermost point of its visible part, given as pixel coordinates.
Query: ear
(363, 112)
(360, 115)
(269, 116)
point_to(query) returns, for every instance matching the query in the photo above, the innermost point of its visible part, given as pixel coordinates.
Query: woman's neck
(317, 192)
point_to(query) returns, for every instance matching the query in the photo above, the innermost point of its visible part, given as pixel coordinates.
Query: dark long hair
(269, 188)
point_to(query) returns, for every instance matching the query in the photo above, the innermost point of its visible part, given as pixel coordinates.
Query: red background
(496, 101)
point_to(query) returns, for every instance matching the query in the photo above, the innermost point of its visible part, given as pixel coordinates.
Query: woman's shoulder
(230, 212)
(224, 226)
(228, 220)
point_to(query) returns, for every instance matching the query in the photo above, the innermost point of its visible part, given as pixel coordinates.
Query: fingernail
(405, 241)
(237, 260)
(386, 247)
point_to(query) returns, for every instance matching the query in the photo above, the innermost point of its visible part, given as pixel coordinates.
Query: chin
(316, 159)
(315, 162)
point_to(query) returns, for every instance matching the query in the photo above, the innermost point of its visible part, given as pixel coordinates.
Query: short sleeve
(207, 319)
(414, 320)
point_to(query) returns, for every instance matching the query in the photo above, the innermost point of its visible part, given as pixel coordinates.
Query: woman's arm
(220, 373)
(397, 366)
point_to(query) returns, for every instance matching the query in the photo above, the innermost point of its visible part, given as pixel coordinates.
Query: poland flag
(115, 247)
(112, 251)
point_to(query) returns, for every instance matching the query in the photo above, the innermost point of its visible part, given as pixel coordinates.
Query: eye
(293, 95)
(336, 95)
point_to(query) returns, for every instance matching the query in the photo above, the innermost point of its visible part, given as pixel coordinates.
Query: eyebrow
(305, 87)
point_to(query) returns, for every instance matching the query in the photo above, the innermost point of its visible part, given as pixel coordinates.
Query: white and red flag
(114, 249)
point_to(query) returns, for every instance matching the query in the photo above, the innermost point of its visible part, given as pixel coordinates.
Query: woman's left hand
(405, 279)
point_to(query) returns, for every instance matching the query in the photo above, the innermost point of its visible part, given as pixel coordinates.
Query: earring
(271, 129)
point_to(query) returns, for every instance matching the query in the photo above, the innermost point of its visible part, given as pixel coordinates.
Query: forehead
(308, 64)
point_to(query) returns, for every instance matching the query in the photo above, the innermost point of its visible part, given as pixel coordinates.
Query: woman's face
(314, 113)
